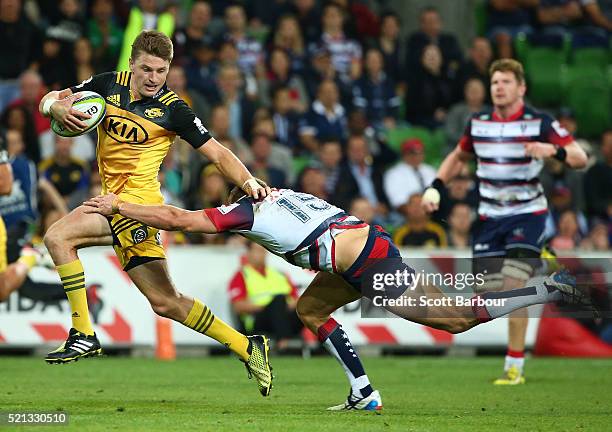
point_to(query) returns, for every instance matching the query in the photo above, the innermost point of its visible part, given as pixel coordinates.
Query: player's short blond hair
(508, 65)
(154, 43)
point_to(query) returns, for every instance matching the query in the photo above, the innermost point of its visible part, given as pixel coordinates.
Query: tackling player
(509, 142)
(313, 234)
(143, 116)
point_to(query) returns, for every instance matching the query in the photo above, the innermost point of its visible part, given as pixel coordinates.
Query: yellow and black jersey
(135, 135)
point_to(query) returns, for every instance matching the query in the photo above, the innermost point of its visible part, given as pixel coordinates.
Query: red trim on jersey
(517, 115)
(333, 256)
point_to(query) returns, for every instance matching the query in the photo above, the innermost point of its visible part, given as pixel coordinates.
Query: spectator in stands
(598, 182)
(279, 74)
(19, 209)
(459, 226)
(202, 70)
(391, 46)
(20, 47)
(309, 16)
(375, 93)
(241, 107)
(144, 15)
(430, 33)
(321, 68)
(52, 65)
(195, 34)
(70, 176)
(326, 118)
(220, 129)
(358, 125)
(411, 173)
(568, 235)
(288, 36)
(69, 25)
(31, 91)
(418, 230)
(285, 118)
(82, 68)
(214, 189)
(598, 238)
(250, 59)
(461, 189)
(105, 35)
(330, 156)
(506, 19)
(345, 53)
(312, 181)
(362, 209)
(19, 119)
(264, 298)
(360, 175)
(562, 200)
(431, 91)
(476, 66)
(582, 19)
(280, 156)
(556, 177)
(474, 96)
(261, 167)
(177, 82)
(599, 13)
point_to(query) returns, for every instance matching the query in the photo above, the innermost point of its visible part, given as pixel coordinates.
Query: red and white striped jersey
(508, 178)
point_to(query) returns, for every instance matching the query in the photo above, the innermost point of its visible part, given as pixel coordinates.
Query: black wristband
(561, 154)
(438, 185)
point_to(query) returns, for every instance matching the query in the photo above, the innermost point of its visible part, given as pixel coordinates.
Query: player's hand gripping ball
(88, 102)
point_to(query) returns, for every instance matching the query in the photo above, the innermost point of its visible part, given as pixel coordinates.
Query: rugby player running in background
(509, 142)
(143, 116)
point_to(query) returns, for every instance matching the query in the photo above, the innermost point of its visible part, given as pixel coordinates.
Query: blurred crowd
(306, 94)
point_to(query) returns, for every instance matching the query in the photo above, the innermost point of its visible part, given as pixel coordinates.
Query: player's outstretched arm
(450, 167)
(164, 217)
(58, 104)
(231, 167)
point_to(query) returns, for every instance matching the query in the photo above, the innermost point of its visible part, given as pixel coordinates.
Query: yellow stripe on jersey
(167, 96)
(123, 78)
(170, 100)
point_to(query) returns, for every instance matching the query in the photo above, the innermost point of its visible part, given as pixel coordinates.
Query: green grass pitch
(419, 394)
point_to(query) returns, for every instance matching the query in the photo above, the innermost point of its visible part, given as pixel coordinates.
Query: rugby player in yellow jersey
(142, 119)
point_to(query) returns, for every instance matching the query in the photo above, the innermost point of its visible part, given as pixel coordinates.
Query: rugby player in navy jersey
(510, 142)
(348, 253)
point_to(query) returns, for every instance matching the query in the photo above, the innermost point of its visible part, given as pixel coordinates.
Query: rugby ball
(89, 102)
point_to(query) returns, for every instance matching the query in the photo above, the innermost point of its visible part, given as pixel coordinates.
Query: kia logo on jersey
(125, 130)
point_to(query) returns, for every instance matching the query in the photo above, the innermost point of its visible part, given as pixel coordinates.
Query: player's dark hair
(508, 65)
(236, 193)
(154, 43)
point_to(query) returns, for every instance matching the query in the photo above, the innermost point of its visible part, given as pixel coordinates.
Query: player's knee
(53, 238)
(166, 307)
(308, 314)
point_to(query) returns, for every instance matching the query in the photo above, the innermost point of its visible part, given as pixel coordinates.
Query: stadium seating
(543, 68)
(433, 141)
(587, 91)
(591, 57)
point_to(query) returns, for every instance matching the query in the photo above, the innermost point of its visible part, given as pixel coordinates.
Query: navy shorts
(495, 237)
(379, 246)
